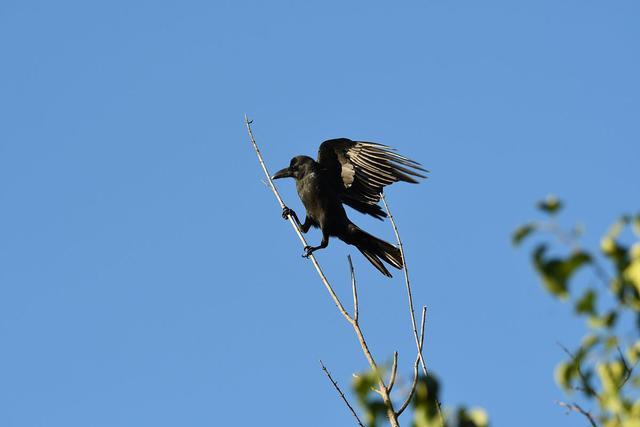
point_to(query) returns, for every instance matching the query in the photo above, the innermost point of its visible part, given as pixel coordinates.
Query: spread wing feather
(362, 169)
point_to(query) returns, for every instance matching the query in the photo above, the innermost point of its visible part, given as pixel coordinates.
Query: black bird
(353, 173)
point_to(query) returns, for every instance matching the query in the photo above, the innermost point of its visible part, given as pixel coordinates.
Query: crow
(353, 173)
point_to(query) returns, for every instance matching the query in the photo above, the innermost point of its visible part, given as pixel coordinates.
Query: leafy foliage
(556, 272)
(603, 287)
(550, 205)
(374, 408)
(425, 411)
(601, 370)
(423, 405)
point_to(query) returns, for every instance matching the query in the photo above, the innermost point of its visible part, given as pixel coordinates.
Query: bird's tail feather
(377, 250)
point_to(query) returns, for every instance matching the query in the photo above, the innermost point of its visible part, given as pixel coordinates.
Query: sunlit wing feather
(363, 169)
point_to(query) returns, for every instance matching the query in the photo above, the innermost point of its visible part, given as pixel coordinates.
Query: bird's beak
(282, 173)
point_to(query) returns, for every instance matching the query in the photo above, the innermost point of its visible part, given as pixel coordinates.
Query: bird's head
(299, 167)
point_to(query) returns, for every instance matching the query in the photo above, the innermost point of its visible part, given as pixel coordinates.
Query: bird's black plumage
(352, 173)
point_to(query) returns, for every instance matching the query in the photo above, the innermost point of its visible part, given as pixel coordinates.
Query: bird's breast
(318, 198)
(310, 191)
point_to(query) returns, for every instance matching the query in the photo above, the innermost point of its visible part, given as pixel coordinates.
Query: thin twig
(335, 384)
(415, 368)
(627, 370)
(587, 387)
(394, 372)
(413, 387)
(391, 414)
(354, 290)
(576, 408)
(407, 282)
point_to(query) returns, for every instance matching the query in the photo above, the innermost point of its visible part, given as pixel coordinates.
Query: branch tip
(394, 371)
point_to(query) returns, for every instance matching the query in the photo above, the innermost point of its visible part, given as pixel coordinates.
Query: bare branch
(412, 314)
(393, 419)
(355, 291)
(423, 318)
(394, 372)
(576, 408)
(335, 384)
(247, 123)
(391, 414)
(413, 388)
(406, 281)
(415, 370)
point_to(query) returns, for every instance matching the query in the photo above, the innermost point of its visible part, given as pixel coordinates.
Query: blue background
(146, 277)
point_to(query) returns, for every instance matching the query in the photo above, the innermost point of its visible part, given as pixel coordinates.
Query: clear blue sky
(146, 277)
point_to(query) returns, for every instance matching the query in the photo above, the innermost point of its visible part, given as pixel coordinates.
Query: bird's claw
(286, 212)
(308, 250)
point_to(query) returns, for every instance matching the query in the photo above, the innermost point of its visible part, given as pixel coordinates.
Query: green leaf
(563, 375)
(521, 233)
(632, 272)
(425, 402)
(575, 261)
(611, 342)
(606, 321)
(549, 270)
(371, 403)
(633, 352)
(587, 303)
(363, 384)
(479, 417)
(476, 417)
(556, 272)
(589, 341)
(611, 375)
(550, 205)
(610, 246)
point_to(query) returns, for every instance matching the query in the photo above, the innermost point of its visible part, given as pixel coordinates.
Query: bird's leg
(307, 224)
(308, 250)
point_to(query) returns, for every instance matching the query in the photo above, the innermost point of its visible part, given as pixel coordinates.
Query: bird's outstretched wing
(362, 169)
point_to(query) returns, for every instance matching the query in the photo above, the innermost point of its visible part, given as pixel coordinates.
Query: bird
(352, 173)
